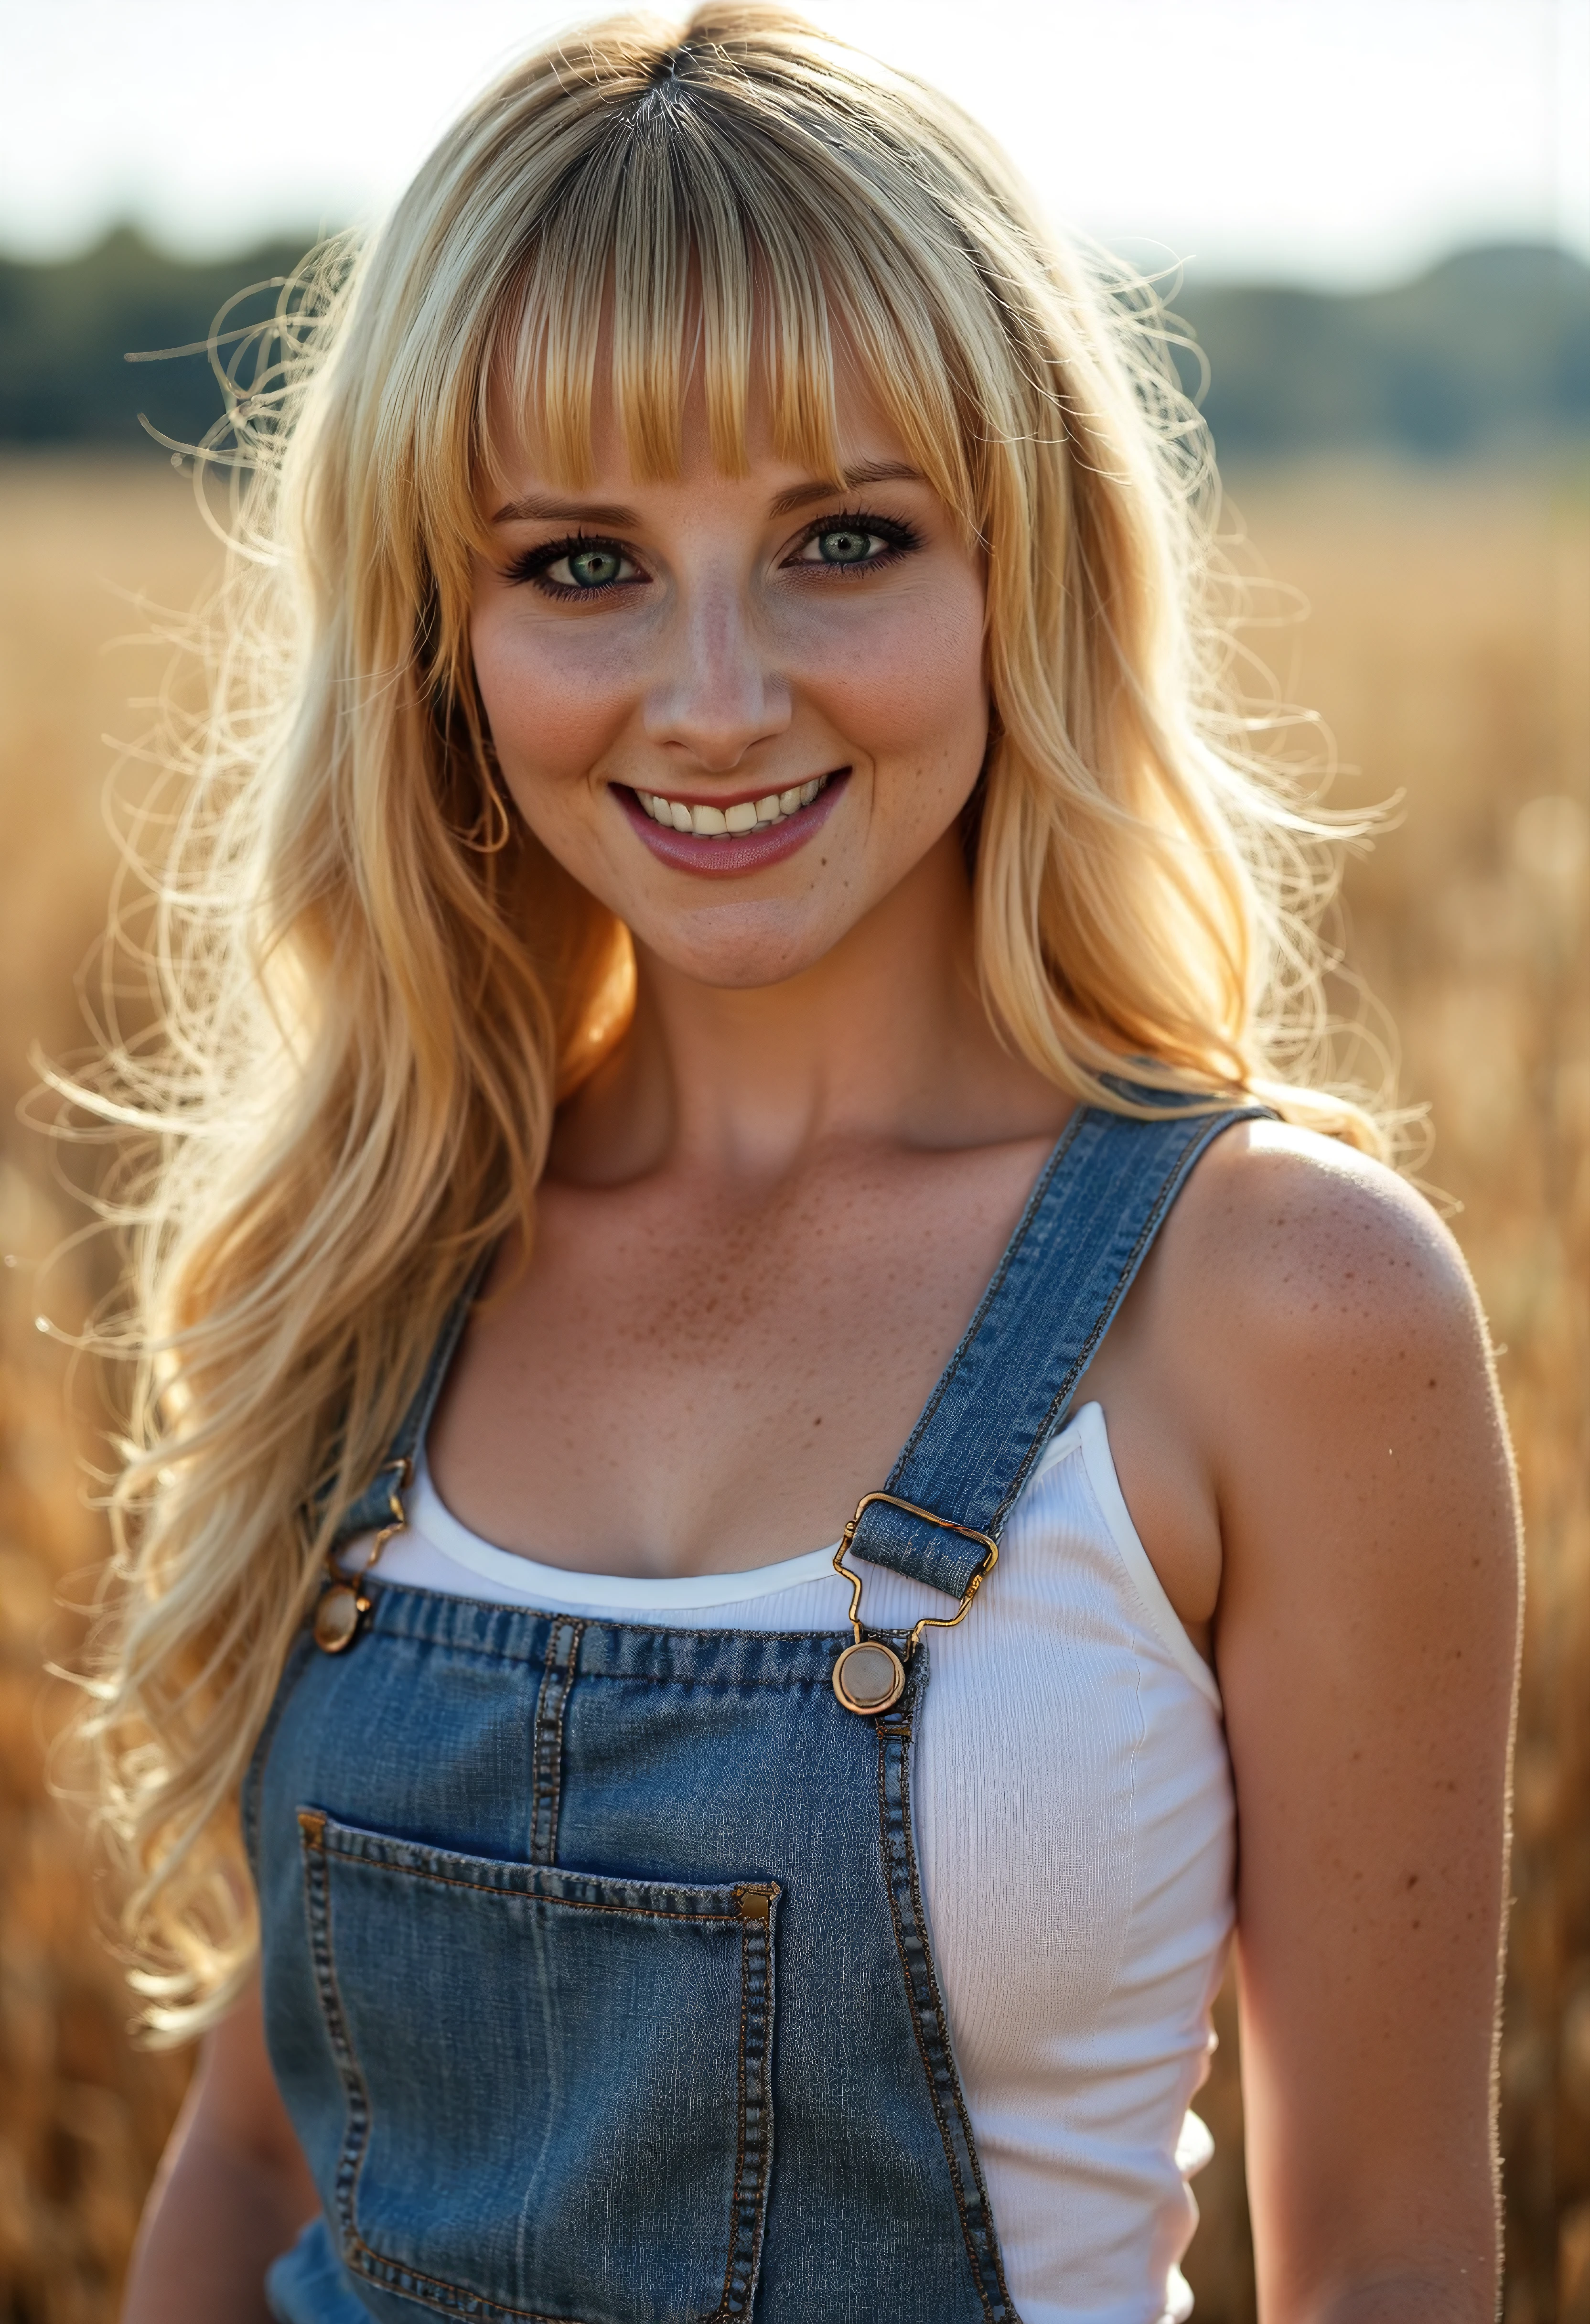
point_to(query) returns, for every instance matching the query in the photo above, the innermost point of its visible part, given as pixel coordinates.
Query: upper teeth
(746, 815)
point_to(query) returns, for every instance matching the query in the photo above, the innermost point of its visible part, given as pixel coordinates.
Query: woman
(734, 868)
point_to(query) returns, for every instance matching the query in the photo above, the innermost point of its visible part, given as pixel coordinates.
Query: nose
(719, 693)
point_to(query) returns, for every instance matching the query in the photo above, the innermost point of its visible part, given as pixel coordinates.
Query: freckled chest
(667, 1391)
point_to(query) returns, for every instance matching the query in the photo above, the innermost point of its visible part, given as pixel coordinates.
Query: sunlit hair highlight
(375, 984)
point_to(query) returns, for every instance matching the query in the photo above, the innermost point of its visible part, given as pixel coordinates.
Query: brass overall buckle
(870, 1675)
(343, 1602)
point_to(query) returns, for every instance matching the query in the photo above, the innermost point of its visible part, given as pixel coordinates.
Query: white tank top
(1075, 1827)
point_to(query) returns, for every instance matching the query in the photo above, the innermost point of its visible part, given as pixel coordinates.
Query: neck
(884, 1041)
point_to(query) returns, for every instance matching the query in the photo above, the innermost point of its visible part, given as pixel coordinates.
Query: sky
(1342, 143)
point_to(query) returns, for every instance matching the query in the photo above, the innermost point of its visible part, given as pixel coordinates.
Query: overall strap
(1101, 1198)
(374, 1507)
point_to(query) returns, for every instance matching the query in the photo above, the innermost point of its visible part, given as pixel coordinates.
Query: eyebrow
(539, 512)
(552, 512)
(869, 472)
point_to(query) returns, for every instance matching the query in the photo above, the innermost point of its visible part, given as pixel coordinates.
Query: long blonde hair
(375, 984)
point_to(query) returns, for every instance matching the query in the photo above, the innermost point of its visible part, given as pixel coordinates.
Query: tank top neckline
(430, 1518)
(515, 1580)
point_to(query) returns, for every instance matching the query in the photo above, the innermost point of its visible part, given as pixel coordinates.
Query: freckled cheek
(553, 714)
(916, 702)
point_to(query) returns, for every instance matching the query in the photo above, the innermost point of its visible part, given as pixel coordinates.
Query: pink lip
(741, 851)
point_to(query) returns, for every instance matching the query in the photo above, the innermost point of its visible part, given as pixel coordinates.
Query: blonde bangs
(679, 257)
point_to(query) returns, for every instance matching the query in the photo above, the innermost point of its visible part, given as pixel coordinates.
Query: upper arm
(235, 2103)
(1367, 1641)
(231, 2192)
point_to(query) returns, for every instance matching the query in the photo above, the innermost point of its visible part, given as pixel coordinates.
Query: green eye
(846, 544)
(856, 539)
(590, 569)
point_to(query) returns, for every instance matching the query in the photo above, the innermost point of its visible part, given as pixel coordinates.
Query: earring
(496, 810)
(492, 829)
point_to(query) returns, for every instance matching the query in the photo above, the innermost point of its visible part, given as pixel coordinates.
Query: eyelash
(534, 565)
(899, 538)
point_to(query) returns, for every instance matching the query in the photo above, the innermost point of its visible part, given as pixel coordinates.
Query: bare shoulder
(1328, 1353)
(1306, 1335)
(1295, 1250)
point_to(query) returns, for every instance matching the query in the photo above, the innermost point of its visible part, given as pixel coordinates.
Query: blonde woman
(726, 935)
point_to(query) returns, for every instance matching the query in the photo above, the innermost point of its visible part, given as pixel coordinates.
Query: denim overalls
(597, 1980)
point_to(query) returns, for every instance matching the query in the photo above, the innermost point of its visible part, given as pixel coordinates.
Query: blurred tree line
(1488, 353)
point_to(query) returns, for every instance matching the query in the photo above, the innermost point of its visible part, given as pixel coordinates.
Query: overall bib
(597, 1979)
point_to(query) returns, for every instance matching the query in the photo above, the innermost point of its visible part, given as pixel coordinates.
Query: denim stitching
(1202, 1130)
(754, 2135)
(760, 1961)
(756, 1951)
(355, 2136)
(435, 2292)
(723, 2308)
(892, 1731)
(747, 2213)
(817, 1680)
(254, 1782)
(562, 1654)
(1007, 1261)
(1204, 1135)
(384, 1855)
(989, 2242)
(524, 1895)
(926, 2009)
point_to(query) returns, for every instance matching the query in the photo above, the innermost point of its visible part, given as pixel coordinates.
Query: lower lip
(741, 851)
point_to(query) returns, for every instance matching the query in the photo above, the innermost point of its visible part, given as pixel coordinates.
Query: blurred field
(1448, 648)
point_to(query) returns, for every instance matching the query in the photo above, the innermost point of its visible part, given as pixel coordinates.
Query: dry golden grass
(1447, 644)
(1448, 649)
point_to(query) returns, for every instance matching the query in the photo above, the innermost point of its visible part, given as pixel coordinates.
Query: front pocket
(558, 2085)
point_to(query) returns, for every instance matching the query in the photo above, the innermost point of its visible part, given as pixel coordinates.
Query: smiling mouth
(736, 822)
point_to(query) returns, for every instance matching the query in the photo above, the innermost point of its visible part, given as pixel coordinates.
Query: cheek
(553, 697)
(910, 689)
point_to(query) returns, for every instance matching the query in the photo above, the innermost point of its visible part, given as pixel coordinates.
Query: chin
(740, 947)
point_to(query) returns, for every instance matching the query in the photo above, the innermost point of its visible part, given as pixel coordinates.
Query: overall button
(336, 1618)
(868, 1677)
